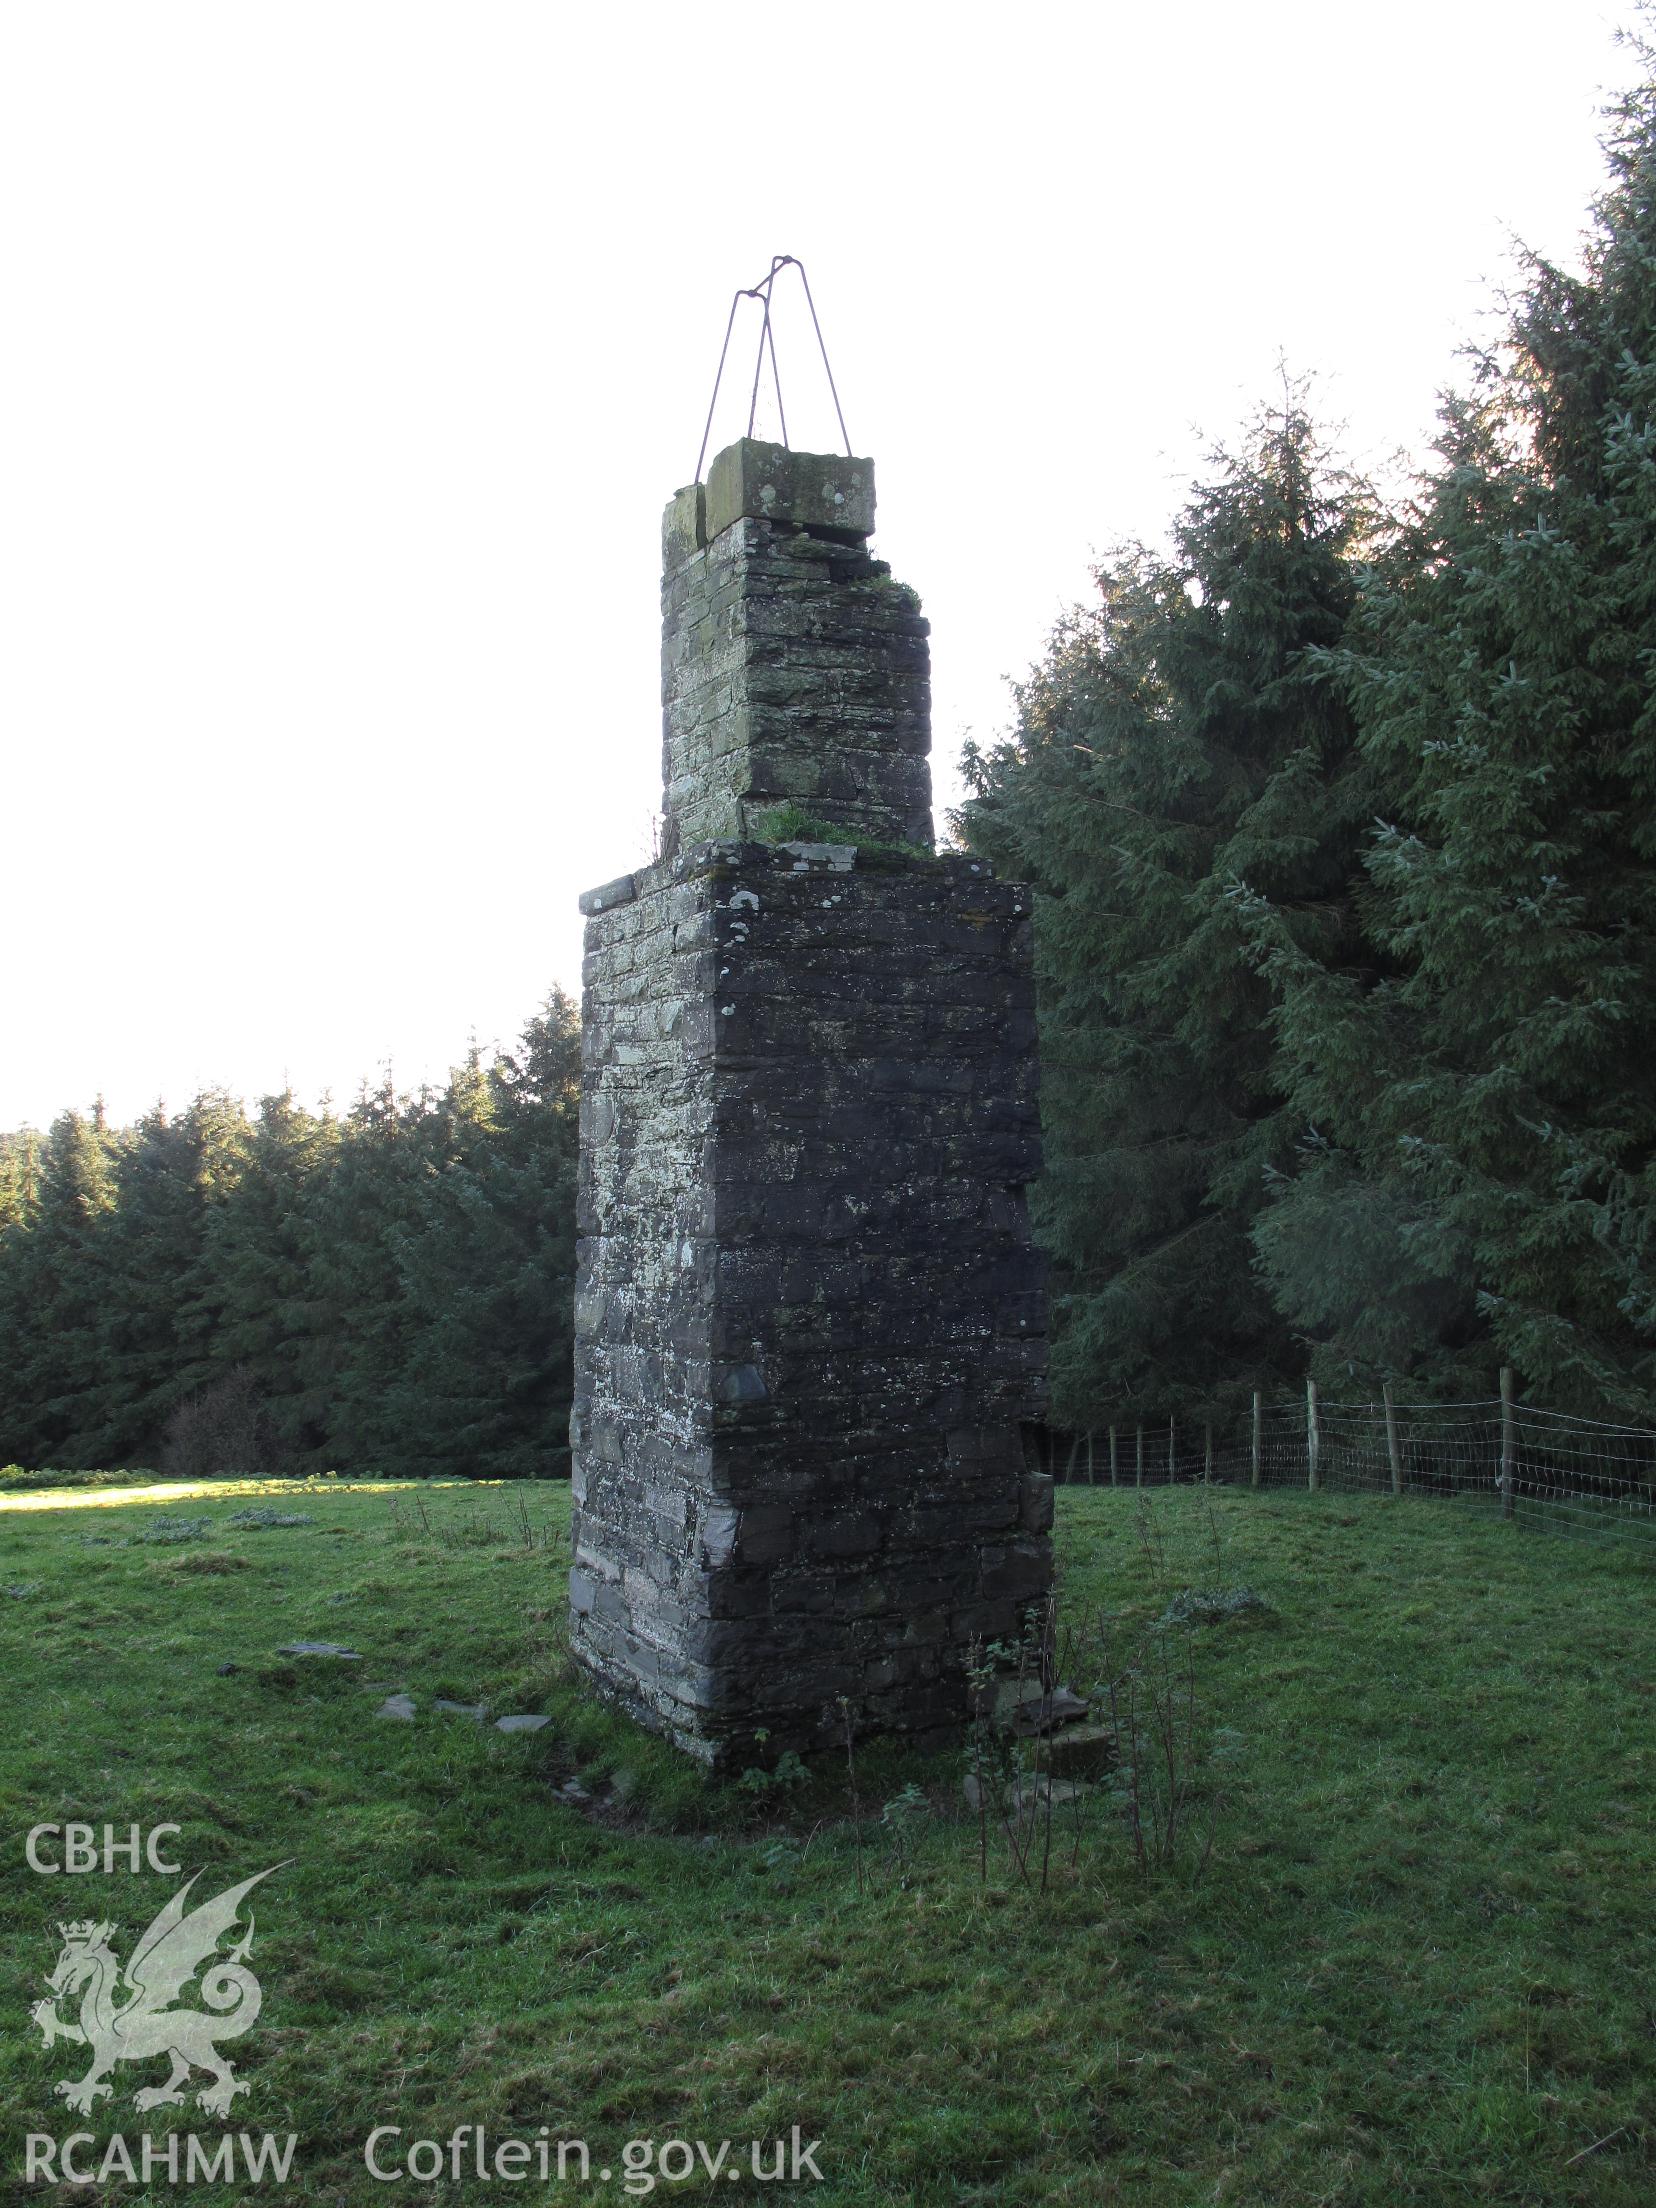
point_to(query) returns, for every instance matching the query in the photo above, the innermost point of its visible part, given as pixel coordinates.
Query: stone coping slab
(817, 490)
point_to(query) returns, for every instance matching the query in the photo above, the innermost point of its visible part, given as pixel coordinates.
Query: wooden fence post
(1393, 1454)
(1313, 1439)
(1258, 1436)
(1092, 1468)
(1207, 1454)
(1112, 1456)
(1170, 1452)
(1509, 1447)
(1138, 1467)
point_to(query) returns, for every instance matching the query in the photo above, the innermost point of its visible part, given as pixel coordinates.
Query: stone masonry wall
(811, 1319)
(810, 1327)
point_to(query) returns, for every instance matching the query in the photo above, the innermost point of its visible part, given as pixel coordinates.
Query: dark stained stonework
(809, 1319)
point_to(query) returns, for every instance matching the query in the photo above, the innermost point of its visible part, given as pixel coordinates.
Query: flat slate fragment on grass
(399, 1706)
(477, 1710)
(1045, 1712)
(319, 1648)
(520, 1724)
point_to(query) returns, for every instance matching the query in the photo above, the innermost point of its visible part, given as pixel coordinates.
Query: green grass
(790, 823)
(1416, 1969)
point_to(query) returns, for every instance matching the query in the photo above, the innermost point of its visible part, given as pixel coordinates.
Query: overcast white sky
(351, 351)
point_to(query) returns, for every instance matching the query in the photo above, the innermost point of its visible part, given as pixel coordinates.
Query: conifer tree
(153, 1344)
(19, 1178)
(259, 1304)
(1478, 1187)
(1176, 740)
(55, 1292)
(354, 1352)
(485, 1265)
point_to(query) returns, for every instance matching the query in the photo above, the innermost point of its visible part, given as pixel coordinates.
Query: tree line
(1343, 826)
(1342, 823)
(387, 1289)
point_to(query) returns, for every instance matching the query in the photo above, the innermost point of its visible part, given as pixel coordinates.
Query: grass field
(1416, 1966)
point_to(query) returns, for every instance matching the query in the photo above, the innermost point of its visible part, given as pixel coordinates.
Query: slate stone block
(769, 482)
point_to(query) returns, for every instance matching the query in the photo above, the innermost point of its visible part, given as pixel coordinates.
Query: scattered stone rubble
(1072, 1753)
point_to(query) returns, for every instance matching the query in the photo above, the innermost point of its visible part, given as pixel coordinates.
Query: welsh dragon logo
(132, 2015)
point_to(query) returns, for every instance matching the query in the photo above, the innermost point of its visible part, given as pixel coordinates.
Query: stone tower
(810, 1329)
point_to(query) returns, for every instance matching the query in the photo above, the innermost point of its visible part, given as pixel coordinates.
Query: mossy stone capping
(752, 479)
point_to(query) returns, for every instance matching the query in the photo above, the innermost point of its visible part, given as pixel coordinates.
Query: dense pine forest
(385, 1290)
(1344, 827)
(1342, 820)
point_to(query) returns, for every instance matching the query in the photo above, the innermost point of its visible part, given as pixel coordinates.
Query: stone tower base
(810, 1314)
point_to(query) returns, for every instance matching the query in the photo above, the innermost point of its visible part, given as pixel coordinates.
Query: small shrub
(261, 1516)
(15, 1478)
(904, 1818)
(224, 1429)
(781, 1777)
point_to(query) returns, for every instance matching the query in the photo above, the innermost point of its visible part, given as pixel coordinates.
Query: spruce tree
(486, 1265)
(154, 1342)
(1476, 1186)
(355, 1348)
(1176, 740)
(19, 1179)
(258, 1300)
(56, 1290)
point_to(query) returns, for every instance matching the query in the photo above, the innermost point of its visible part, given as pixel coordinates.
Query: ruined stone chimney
(809, 1319)
(794, 670)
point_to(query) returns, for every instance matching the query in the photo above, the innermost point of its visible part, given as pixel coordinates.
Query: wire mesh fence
(1539, 1468)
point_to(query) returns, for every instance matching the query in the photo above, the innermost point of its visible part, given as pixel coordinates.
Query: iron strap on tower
(767, 344)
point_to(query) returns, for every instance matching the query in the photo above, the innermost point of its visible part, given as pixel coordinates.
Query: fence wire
(1543, 1469)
